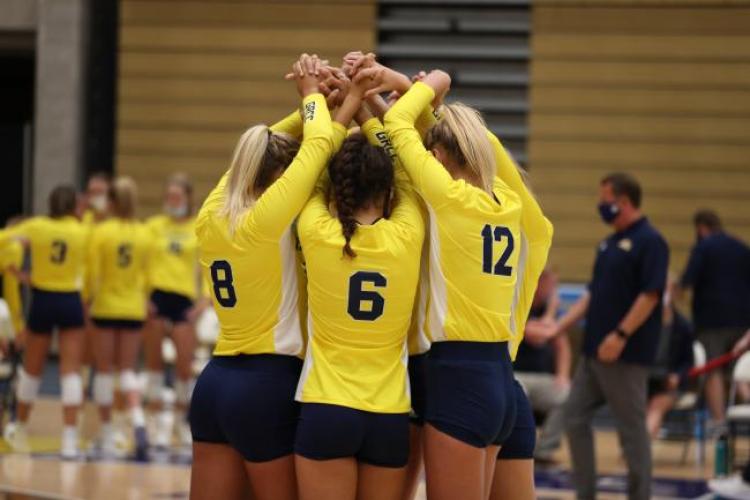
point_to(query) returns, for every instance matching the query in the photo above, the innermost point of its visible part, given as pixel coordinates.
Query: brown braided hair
(361, 174)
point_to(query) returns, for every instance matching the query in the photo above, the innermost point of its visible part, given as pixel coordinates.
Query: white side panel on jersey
(307, 366)
(438, 296)
(288, 334)
(516, 336)
(423, 336)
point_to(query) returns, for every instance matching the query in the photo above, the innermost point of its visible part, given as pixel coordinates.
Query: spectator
(623, 322)
(542, 366)
(674, 357)
(719, 274)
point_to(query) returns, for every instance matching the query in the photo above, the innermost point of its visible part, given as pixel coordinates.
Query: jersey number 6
(357, 296)
(221, 276)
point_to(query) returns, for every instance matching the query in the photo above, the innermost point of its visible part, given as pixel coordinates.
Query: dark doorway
(16, 116)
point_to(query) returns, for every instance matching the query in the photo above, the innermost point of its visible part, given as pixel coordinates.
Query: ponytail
(258, 157)
(462, 132)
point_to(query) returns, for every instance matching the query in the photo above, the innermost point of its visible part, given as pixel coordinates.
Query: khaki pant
(547, 397)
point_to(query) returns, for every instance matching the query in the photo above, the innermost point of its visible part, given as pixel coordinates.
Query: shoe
(733, 487)
(69, 444)
(15, 434)
(140, 437)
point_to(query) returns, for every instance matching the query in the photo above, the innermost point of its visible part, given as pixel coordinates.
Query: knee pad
(28, 386)
(184, 391)
(154, 385)
(72, 389)
(128, 381)
(104, 389)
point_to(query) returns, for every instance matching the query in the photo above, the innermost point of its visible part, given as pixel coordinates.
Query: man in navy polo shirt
(719, 274)
(623, 323)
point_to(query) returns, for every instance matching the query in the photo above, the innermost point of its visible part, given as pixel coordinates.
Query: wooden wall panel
(660, 89)
(193, 74)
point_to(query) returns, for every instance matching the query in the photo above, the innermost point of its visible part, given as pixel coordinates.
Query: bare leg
(218, 471)
(657, 408)
(453, 468)
(183, 336)
(35, 355)
(380, 483)
(513, 479)
(414, 467)
(153, 335)
(71, 351)
(326, 479)
(129, 343)
(104, 356)
(715, 395)
(489, 468)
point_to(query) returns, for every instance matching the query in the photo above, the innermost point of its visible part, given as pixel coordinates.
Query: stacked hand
(306, 72)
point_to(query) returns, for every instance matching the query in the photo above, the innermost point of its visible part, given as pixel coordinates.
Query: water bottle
(721, 456)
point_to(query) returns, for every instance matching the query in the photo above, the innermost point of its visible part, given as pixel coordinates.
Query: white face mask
(98, 203)
(176, 212)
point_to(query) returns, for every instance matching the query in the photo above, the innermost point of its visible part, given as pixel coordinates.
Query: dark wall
(101, 77)
(16, 115)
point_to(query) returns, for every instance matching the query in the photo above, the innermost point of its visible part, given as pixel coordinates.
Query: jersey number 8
(358, 297)
(221, 276)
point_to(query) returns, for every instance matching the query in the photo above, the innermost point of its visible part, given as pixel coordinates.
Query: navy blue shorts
(50, 310)
(171, 306)
(247, 402)
(522, 440)
(418, 387)
(117, 324)
(327, 432)
(471, 395)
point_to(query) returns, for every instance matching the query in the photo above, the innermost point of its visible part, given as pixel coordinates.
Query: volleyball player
(12, 269)
(96, 198)
(118, 254)
(174, 277)
(514, 470)
(58, 247)
(474, 221)
(243, 416)
(363, 257)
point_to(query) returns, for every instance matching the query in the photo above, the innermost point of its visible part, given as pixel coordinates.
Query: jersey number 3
(221, 276)
(358, 297)
(489, 236)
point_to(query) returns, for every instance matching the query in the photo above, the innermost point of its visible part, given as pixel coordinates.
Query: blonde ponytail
(257, 160)
(462, 132)
(246, 162)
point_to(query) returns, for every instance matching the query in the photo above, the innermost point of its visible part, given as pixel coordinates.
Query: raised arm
(291, 124)
(281, 203)
(427, 174)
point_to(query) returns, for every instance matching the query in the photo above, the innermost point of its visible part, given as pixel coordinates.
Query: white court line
(41, 494)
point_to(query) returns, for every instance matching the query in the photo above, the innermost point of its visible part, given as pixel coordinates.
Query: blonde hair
(257, 158)
(462, 132)
(123, 193)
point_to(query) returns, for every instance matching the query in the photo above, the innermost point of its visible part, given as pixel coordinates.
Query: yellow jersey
(360, 309)
(173, 266)
(11, 258)
(253, 272)
(58, 251)
(535, 241)
(474, 237)
(118, 258)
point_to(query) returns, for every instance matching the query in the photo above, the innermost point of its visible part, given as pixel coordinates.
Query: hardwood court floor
(42, 475)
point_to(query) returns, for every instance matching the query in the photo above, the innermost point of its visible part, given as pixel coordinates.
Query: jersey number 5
(489, 236)
(358, 297)
(124, 255)
(221, 276)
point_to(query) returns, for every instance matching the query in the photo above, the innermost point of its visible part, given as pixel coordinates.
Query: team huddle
(371, 283)
(364, 279)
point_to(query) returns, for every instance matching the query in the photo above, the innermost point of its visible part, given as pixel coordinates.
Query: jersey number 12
(491, 235)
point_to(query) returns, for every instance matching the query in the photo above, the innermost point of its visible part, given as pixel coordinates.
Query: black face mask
(608, 212)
